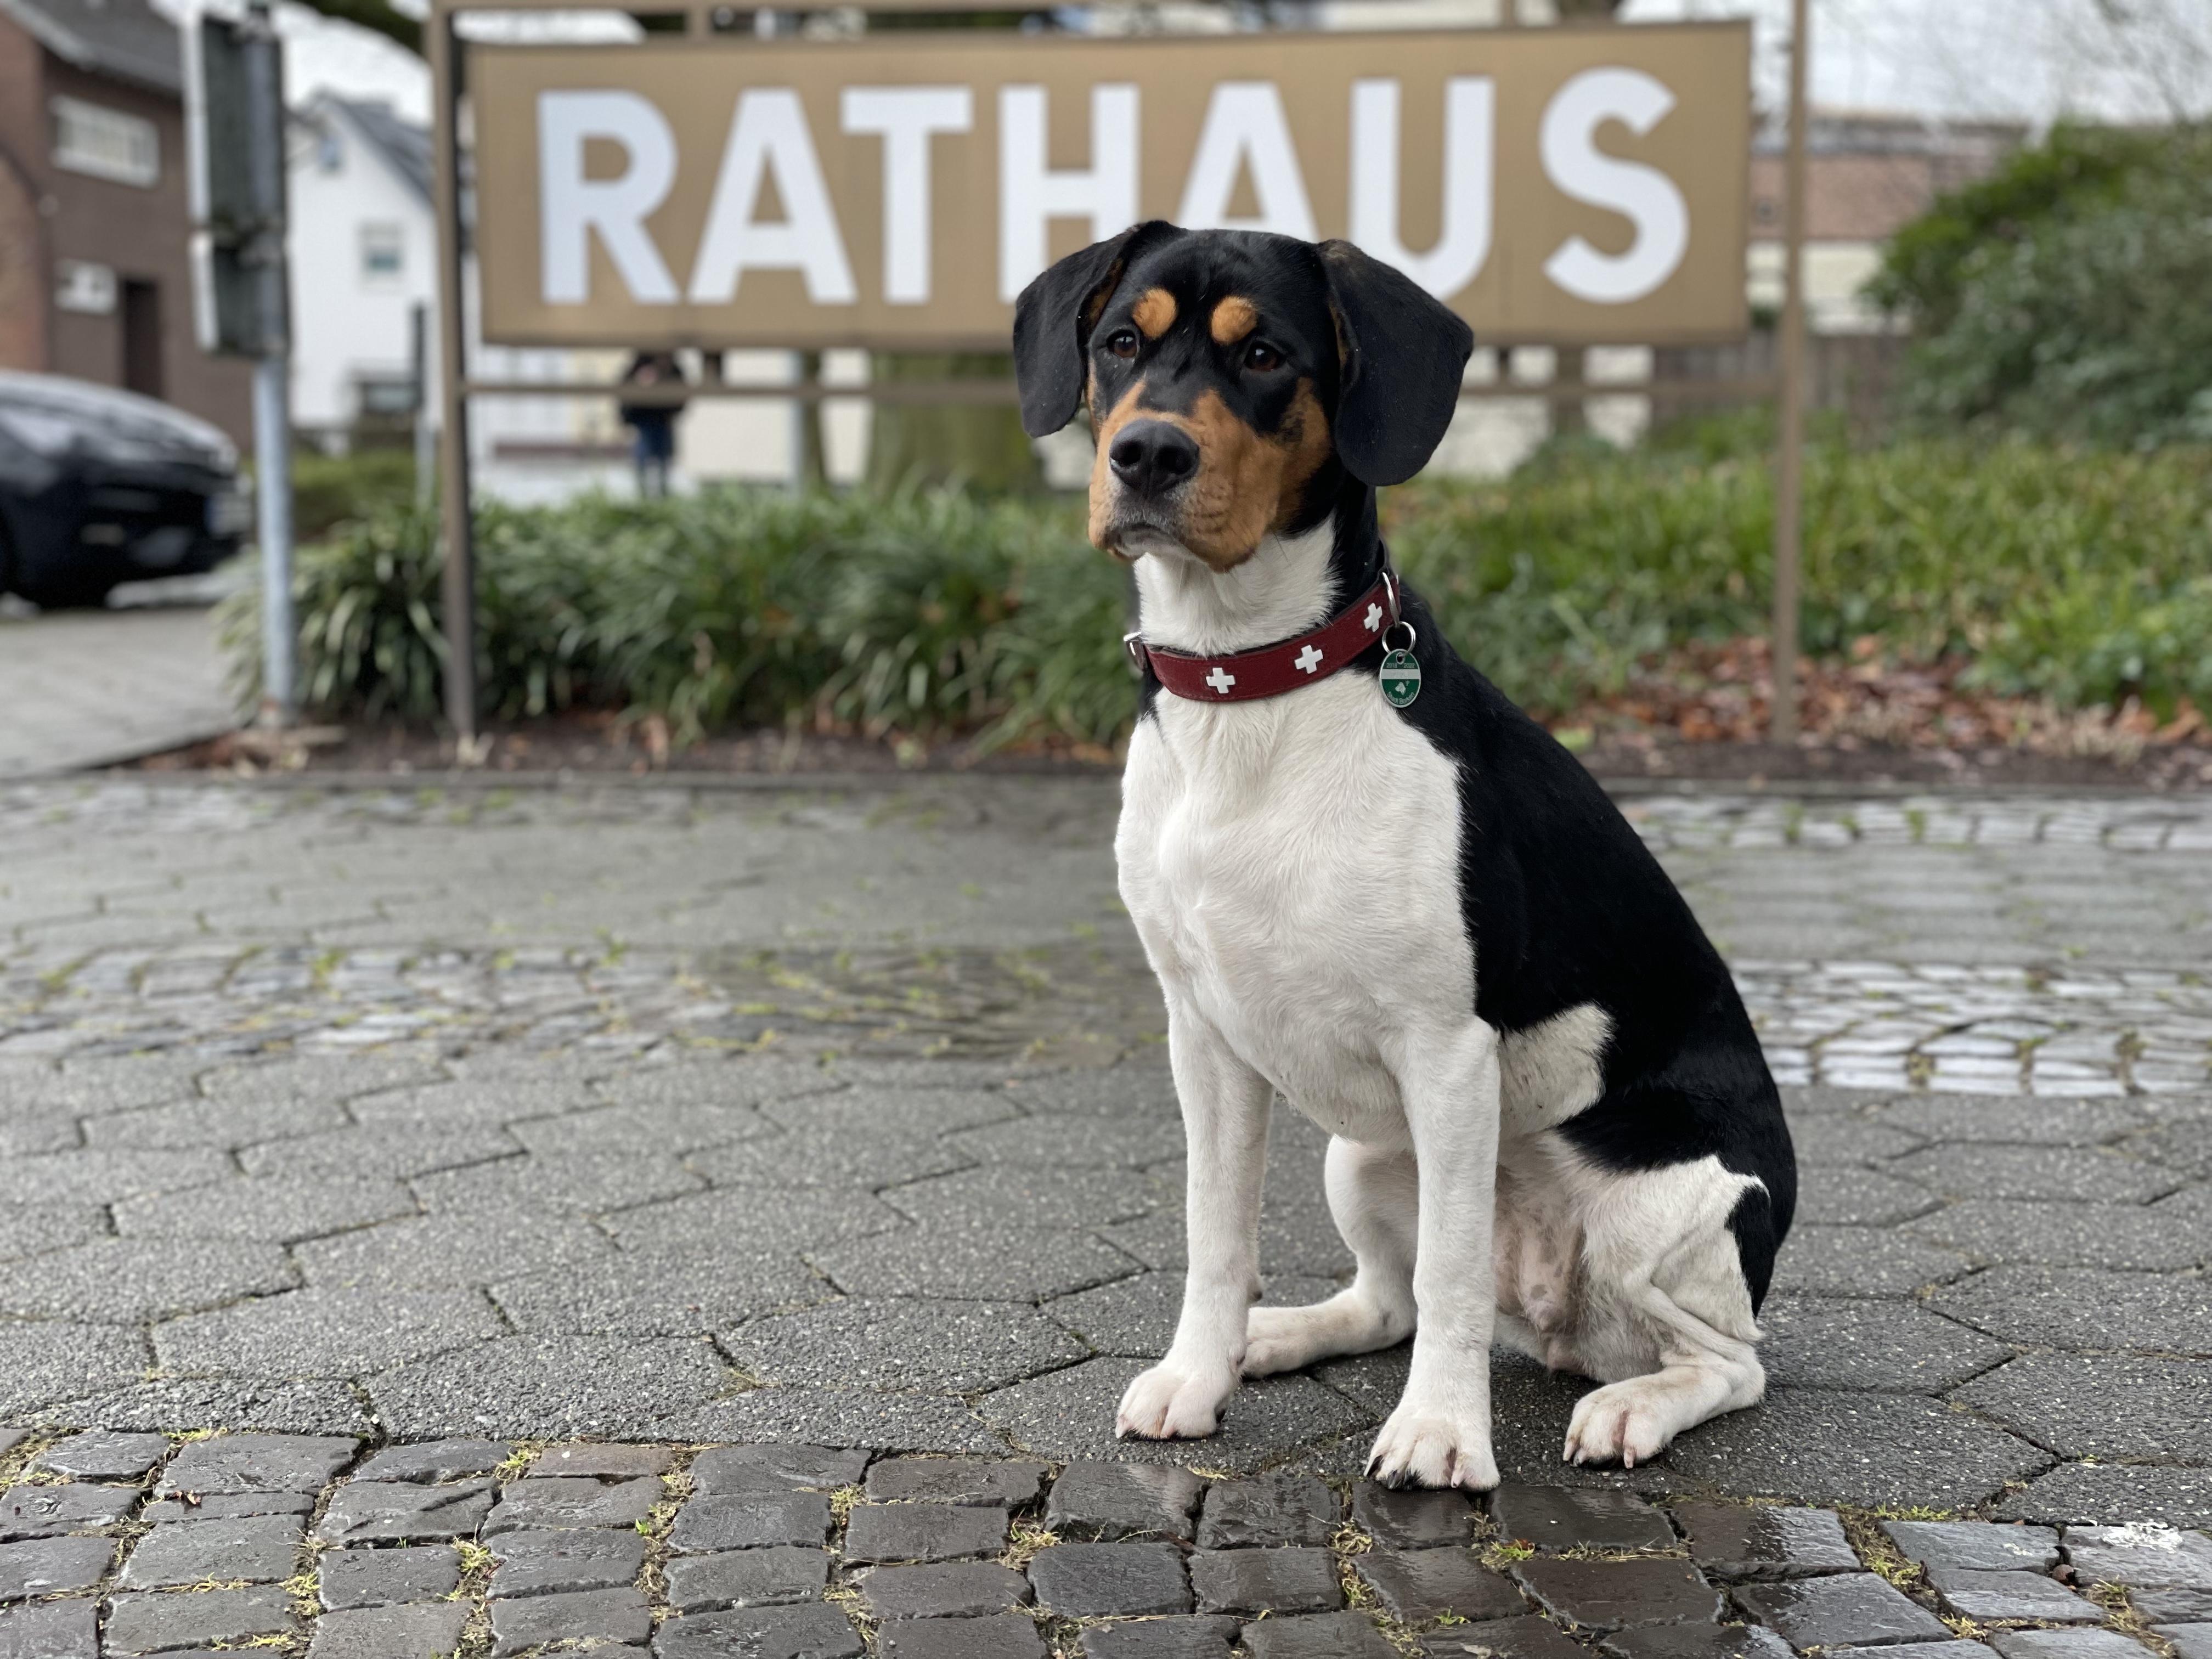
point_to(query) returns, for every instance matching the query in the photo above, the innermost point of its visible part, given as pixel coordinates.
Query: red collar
(1283, 666)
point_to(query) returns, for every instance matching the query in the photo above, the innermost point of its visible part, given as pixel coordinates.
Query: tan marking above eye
(1155, 313)
(1233, 318)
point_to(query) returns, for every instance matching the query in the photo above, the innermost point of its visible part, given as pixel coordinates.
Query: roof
(126, 39)
(404, 145)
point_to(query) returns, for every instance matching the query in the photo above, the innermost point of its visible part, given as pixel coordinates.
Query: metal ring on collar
(1412, 638)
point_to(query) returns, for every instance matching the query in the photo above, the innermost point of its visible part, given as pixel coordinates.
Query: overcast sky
(2028, 59)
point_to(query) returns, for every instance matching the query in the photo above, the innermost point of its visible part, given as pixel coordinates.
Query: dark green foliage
(329, 490)
(2065, 294)
(2080, 576)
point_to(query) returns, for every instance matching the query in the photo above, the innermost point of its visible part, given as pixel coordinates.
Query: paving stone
(1975, 1546)
(2084, 1308)
(1999, 1596)
(258, 1550)
(1610, 1594)
(10, 1438)
(978, 1260)
(1702, 1642)
(2087, 1492)
(371, 1579)
(418, 1631)
(129, 1281)
(1198, 1636)
(397, 1511)
(1001, 1635)
(155, 1623)
(1825, 1343)
(1555, 1518)
(436, 1459)
(923, 1532)
(1862, 1198)
(673, 1292)
(392, 1152)
(2106, 1405)
(51, 1630)
(1530, 1637)
(1818, 1261)
(688, 1128)
(1848, 1610)
(102, 1175)
(1424, 1584)
(775, 1468)
(851, 1416)
(2073, 1175)
(746, 1521)
(2152, 1556)
(1124, 1500)
(1265, 1581)
(573, 1501)
(46, 1566)
(812, 1632)
(1346, 1635)
(278, 1209)
(27, 1229)
(1070, 1414)
(958, 1589)
(238, 1404)
(326, 1333)
(1091, 1142)
(1268, 1508)
(1828, 1445)
(2190, 1641)
(2122, 1236)
(2172, 1607)
(2067, 1644)
(828, 1159)
(98, 1455)
(738, 1219)
(48, 1361)
(603, 1462)
(745, 1579)
(1008, 1481)
(50, 1511)
(1739, 1543)
(226, 1506)
(255, 1463)
(618, 1617)
(1099, 1580)
(1980, 1119)
(558, 1563)
(548, 1387)
(1918, 1650)
(1415, 1520)
(445, 1251)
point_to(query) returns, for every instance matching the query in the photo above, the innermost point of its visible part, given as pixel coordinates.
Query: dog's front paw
(1631, 1421)
(1421, 1446)
(1169, 1403)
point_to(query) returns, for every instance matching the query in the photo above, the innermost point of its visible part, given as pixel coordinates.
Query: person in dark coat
(654, 422)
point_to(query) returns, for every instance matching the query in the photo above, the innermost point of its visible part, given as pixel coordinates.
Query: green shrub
(2065, 295)
(2079, 575)
(329, 490)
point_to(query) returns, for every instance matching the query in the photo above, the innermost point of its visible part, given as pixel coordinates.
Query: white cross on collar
(1221, 679)
(1307, 661)
(1374, 618)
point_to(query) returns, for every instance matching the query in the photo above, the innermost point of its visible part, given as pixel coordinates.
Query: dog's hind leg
(1375, 1196)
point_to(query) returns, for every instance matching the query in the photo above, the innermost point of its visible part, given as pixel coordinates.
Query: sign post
(235, 91)
(1790, 461)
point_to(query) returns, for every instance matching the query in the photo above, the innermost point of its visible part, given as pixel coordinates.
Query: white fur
(1292, 866)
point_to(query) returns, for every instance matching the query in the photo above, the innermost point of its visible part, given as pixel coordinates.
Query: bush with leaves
(2066, 294)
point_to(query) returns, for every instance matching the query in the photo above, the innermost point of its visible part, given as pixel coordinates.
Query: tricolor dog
(1370, 883)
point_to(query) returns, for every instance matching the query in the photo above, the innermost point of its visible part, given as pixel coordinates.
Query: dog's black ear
(1403, 352)
(1052, 320)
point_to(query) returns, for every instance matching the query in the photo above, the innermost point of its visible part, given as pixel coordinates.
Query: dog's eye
(1260, 357)
(1122, 342)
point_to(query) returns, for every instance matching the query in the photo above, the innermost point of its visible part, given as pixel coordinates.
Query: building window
(106, 143)
(383, 254)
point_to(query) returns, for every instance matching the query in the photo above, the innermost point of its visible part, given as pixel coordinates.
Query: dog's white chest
(1291, 865)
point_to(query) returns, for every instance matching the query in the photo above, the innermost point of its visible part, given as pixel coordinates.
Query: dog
(1418, 919)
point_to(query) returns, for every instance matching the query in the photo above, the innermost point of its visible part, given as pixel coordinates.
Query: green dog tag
(1401, 678)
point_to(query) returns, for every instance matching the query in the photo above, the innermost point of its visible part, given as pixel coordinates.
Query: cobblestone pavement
(822, 1118)
(134, 1544)
(107, 685)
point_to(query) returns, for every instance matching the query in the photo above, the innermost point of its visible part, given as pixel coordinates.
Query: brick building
(95, 223)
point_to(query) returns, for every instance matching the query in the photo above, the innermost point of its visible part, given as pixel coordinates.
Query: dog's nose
(1151, 457)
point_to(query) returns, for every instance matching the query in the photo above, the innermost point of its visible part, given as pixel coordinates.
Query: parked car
(99, 487)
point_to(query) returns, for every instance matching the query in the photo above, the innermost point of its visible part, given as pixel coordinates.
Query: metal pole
(457, 581)
(272, 422)
(424, 435)
(1788, 463)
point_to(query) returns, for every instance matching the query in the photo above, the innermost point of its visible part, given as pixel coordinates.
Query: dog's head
(1236, 381)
